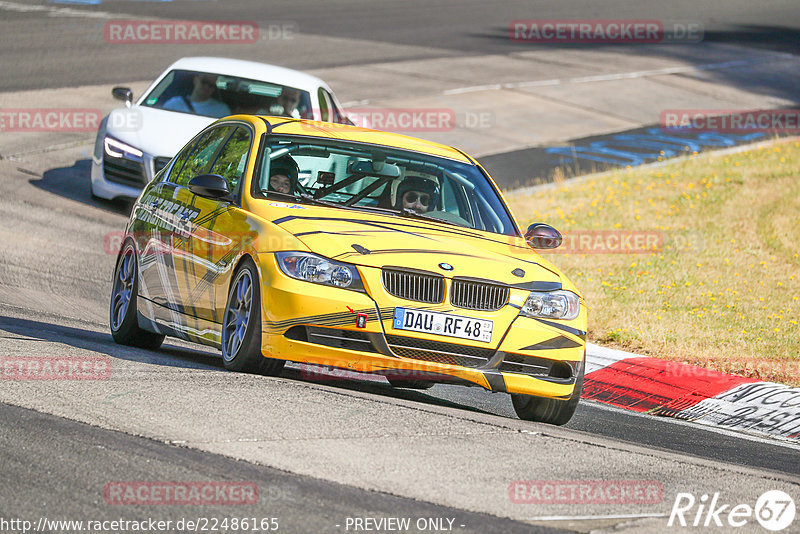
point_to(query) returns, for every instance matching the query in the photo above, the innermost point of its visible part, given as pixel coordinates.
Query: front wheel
(241, 326)
(123, 318)
(552, 411)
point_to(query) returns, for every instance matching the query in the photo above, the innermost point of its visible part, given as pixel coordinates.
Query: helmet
(416, 181)
(285, 165)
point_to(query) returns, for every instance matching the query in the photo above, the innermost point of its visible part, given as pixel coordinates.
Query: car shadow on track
(73, 183)
(101, 342)
(179, 356)
(379, 388)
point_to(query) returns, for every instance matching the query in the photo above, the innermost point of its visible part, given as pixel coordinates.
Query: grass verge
(713, 278)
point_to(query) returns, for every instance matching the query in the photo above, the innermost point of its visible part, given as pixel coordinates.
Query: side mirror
(540, 235)
(124, 94)
(209, 186)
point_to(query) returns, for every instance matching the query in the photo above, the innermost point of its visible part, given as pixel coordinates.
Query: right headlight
(552, 305)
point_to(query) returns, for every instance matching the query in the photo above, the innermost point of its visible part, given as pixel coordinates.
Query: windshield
(216, 95)
(380, 178)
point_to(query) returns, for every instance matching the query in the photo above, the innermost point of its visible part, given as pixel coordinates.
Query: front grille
(411, 285)
(438, 351)
(159, 163)
(476, 295)
(124, 171)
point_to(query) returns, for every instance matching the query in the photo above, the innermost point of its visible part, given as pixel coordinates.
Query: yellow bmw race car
(279, 240)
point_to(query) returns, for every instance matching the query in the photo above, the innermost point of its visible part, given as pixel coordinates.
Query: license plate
(443, 324)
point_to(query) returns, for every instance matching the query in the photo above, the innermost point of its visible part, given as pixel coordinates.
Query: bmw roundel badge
(446, 266)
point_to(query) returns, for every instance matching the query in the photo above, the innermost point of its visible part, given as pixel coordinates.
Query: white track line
(610, 77)
(590, 517)
(661, 72)
(684, 69)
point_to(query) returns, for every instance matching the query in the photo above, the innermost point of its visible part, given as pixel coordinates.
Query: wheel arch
(244, 257)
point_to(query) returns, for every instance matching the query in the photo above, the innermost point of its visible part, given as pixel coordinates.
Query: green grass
(723, 291)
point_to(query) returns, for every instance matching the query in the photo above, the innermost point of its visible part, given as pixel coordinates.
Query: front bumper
(127, 183)
(326, 326)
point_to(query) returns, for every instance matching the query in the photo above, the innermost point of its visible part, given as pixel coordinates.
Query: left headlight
(319, 270)
(118, 149)
(552, 305)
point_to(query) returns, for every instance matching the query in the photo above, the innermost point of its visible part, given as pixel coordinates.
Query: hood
(385, 240)
(154, 131)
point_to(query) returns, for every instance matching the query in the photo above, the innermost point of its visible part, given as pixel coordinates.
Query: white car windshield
(217, 95)
(368, 177)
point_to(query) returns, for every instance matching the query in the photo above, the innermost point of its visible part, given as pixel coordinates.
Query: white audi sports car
(135, 142)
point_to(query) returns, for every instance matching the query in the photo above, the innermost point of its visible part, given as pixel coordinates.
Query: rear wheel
(553, 411)
(241, 326)
(123, 318)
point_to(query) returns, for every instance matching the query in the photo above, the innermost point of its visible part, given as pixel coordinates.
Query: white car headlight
(552, 305)
(118, 149)
(319, 270)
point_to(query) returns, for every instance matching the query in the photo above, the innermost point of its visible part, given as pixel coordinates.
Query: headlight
(319, 270)
(552, 305)
(118, 149)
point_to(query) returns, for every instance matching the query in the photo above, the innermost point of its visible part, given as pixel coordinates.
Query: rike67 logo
(774, 510)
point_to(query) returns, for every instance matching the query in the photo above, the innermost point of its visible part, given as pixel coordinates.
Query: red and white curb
(674, 389)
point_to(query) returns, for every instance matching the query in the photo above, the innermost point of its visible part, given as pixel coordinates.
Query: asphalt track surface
(65, 52)
(76, 459)
(174, 414)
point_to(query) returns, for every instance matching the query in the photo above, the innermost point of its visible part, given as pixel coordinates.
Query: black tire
(241, 326)
(122, 314)
(411, 384)
(552, 411)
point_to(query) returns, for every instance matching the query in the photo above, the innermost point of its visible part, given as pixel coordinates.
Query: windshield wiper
(320, 202)
(414, 215)
(299, 197)
(286, 196)
(328, 203)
